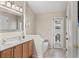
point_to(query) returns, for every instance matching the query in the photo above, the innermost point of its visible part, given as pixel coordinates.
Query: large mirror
(9, 22)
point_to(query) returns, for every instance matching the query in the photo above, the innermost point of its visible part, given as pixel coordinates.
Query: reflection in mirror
(8, 22)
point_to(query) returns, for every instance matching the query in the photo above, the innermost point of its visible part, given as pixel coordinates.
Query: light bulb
(8, 4)
(21, 10)
(17, 8)
(13, 6)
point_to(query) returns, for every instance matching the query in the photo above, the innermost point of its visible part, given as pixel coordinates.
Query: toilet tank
(45, 46)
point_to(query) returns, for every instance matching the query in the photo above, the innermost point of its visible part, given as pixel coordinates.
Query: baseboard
(34, 56)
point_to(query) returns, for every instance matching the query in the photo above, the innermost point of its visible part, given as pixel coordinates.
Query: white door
(68, 31)
(68, 38)
(71, 29)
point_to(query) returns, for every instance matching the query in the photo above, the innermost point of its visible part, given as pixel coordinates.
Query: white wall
(44, 24)
(74, 26)
(30, 18)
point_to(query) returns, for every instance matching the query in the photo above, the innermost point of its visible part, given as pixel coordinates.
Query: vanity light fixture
(11, 7)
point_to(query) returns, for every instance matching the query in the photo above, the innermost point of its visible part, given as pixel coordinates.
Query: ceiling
(47, 6)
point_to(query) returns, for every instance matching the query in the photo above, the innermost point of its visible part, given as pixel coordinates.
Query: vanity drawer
(25, 50)
(18, 51)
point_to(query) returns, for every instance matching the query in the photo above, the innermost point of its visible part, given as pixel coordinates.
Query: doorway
(58, 32)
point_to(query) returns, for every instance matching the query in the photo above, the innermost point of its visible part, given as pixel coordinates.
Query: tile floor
(55, 53)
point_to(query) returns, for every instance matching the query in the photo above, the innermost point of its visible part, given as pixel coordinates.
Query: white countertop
(13, 43)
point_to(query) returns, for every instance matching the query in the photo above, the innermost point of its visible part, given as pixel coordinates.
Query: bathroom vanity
(21, 50)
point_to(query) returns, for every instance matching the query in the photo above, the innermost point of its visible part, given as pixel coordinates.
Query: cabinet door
(7, 53)
(25, 50)
(30, 48)
(18, 51)
(30, 51)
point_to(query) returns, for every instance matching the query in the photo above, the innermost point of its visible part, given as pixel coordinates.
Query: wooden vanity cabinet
(18, 51)
(8, 53)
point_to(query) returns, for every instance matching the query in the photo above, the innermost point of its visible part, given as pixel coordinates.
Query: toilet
(45, 46)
